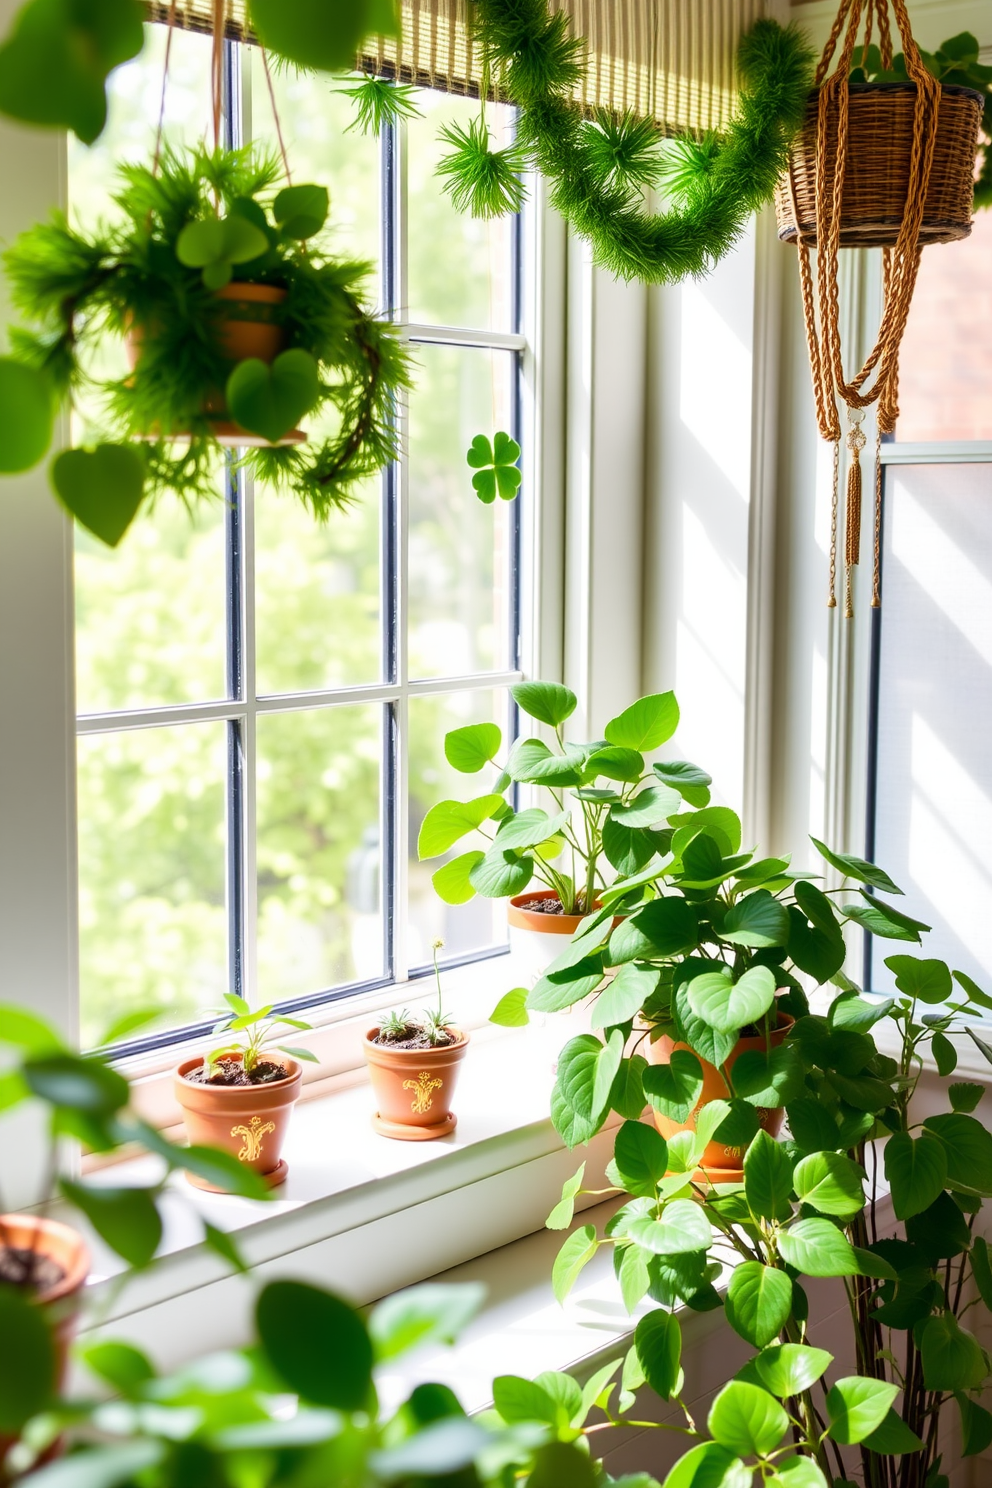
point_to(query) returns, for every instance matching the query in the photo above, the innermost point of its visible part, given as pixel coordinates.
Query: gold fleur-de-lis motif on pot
(423, 1086)
(251, 1147)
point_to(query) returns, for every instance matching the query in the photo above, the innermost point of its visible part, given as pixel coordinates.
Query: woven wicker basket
(876, 179)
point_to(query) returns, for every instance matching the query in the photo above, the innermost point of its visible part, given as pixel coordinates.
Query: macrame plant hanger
(877, 382)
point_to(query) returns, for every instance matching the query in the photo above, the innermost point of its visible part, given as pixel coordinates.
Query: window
(262, 701)
(930, 776)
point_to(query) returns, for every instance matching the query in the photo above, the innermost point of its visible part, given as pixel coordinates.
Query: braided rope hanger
(878, 379)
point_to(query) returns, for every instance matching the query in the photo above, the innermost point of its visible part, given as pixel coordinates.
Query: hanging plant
(597, 169)
(236, 326)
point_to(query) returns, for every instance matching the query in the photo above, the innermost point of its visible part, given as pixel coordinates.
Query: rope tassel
(852, 513)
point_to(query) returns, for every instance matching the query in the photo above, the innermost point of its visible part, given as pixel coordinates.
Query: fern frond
(479, 179)
(380, 103)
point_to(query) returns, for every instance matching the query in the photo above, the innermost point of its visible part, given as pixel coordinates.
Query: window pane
(319, 876)
(934, 778)
(316, 594)
(152, 922)
(481, 922)
(150, 614)
(945, 365)
(461, 568)
(315, 119)
(459, 265)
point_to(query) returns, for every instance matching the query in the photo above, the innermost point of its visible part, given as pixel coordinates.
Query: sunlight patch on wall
(715, 371)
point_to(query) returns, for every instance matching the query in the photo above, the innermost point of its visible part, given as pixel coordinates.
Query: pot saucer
(273, 1179)
(400, 1132)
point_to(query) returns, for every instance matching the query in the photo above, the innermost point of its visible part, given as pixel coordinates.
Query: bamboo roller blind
(670, 60)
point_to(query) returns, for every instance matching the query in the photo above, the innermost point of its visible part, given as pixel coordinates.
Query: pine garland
(597, 170)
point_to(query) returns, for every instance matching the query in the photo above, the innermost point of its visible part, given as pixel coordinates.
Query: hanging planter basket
(878, 167)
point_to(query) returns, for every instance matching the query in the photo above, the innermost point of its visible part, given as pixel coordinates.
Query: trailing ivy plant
(711, 940)
(597, 169)
(188, 228)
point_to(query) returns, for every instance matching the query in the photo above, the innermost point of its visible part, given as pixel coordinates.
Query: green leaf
(561, 1464)
(674, 1088)
(976, 1426)
(817, 1248)
(316, 1343)
(817, 951)
(941, 1231)
(627, 849)
(812, 1127)
(129, 1023)
(952, 1358)
(709, 1466)
(523, 829)
(664, 928)
(438, 1450)
(310, 33)
(741, 1125)
(893, 1438)
(710, 1045)
(548, 702)
(271, 399)
(649, 808)
(511, 1010)
(102, 1467)
(851, 1013)
(857, 1406)
(633, 1275)
(56, 59)
(621, 999)
(627, 1096)
(572, 1099)
(799, 1472)
(757, 920)
(640, 1157)
(928, 981)
(84, 1084)
(974, 992)
(27, 1359)
(126, 1218)
(768, 1080)
(562, 1214)
(301, 211)
(496, 468)
(689, 780)
(27, 409)
(683, 1227)
(968, 1147)
(121, 1365)
(607, 1065)
(965, 1096)
(222, 1244)
(519, 1399)
(831, 1183)
(470, 748)
(747, 1420)
(759, 1302)
(429, 1313)
(916, 1170)
(577, 1251)
(944, 1053)
(658, 1341)
(501, 874)
(851, 867)
(981, 1269)
(25, 1030)
(223, 1169)
(446, 822)
(768, 1178)
(531, 762)
(215, 243)
(728, 1006)
(615, 763)
(452, 882)
(102, 488)
(556, 990)
(646, 724)
(884, 921)
(790, 1368)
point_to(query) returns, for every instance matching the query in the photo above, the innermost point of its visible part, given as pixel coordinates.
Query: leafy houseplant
(413, 1066)
(596, 827)
(237, 1099)
(705, 939)
(237, 325)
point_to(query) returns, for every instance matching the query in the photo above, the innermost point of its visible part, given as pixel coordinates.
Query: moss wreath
(598, 168)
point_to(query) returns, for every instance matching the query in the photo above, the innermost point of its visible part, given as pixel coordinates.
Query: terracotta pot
(414, 1088)
(249, 329)
(537, 939)
(722, 1164)
(62, 1301)
(249, 1121)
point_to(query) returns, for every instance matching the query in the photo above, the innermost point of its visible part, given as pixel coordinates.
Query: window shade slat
(670, 60)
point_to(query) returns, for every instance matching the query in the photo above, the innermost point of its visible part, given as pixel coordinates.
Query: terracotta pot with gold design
(414, 1088)
(249, 1121)
(720, 1164)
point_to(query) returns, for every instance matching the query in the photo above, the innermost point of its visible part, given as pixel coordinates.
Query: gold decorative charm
(424, 1086)
(251, 1148)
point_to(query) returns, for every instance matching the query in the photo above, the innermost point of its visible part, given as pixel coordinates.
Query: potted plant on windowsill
(240, 1097)
(610, 815)
(237, 324)
(413, 1066)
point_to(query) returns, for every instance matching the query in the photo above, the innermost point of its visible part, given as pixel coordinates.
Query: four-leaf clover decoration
(495, 467)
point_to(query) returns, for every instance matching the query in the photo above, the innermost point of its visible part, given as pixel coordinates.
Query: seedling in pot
(431, 1029)
(255, 1027)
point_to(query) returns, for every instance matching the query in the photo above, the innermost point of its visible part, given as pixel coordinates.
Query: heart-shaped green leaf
(301, 211)
(317, 35)
(495, 465)
(26, 410)
(269, 400)
(102, 488)
(214, 244)
(54, 64)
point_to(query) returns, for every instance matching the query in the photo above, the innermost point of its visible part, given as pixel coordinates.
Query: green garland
(597, 170)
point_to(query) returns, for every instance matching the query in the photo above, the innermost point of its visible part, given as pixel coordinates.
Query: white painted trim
(967, 452)
(453, 336)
